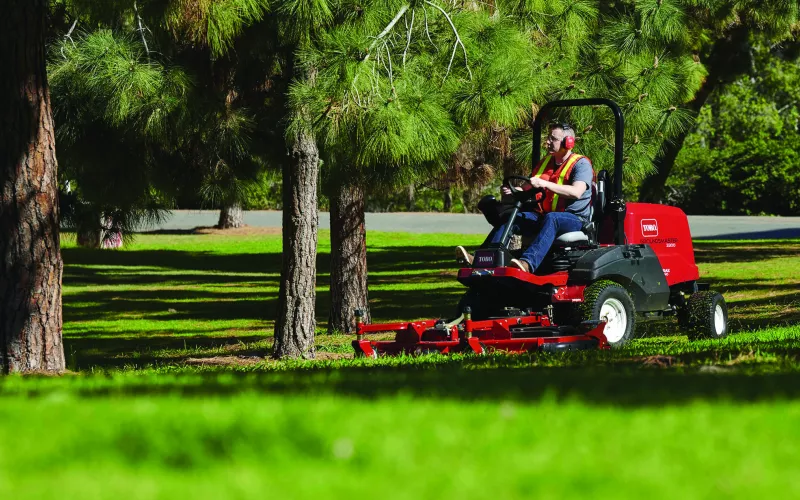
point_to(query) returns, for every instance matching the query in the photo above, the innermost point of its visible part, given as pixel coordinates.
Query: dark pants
(549, 227)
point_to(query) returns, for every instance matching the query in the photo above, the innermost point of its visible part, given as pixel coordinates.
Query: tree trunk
(231, 216)
(295, 324)
(448, 199)
(412, 201)
(89, 237)
(30, 254)
(348, 259)
(652, 189)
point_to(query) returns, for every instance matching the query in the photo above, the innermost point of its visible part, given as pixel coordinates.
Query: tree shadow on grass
(178, 288)
(144, 290)
(784, 233)
(415, 304)
(169, 305)
(174, 260)
(411, 258)
(764, 304)
(384, 259)
(86, 352)
(712, 253)
(462, 380)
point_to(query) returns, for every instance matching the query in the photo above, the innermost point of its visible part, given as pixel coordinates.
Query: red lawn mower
(632, 262)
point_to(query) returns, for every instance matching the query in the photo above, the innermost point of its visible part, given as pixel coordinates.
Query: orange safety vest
(547, 171)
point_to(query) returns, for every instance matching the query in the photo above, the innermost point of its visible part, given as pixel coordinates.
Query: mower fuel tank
(635, 267)
(666, 230)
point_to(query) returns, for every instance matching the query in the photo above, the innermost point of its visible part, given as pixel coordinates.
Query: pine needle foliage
(159, 80)
(490, 67)
(396, 89)
(213, 23)
(114, 107)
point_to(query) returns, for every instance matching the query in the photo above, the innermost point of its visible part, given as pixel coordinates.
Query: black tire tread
(590, 299)
(700, 311)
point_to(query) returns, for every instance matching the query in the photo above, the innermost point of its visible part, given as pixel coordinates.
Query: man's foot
(521, 265)
(462, 256)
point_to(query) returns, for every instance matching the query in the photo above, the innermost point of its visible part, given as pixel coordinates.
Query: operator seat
(590, 230)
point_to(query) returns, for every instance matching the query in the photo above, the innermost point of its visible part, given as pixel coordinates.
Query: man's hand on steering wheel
(507, 190)
(538, 183)
(525, 187)
(535, 182)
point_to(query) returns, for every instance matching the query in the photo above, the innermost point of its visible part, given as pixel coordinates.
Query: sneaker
(521, 265)
(463, 257)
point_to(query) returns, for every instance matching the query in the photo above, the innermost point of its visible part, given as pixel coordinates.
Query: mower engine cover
(666, 230)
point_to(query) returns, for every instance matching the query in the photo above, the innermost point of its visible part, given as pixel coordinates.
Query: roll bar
(616, 201)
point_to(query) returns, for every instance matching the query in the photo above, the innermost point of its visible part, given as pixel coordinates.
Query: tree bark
(296, 321)
(448, 199)
(89, 237)
(412, 201)
(30, 254)
(348, 259)
(231, 216)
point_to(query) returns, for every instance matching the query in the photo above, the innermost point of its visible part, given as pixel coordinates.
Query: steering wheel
(521, 195)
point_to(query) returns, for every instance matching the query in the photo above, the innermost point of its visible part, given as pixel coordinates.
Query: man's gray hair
(568, 130)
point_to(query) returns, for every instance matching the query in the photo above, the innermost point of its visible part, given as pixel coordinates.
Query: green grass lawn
(171, 396)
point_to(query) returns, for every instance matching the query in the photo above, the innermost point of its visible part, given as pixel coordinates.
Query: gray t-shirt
(582, 171)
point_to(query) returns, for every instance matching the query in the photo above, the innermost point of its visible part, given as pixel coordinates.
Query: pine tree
(165, 68)
(739, 158)
(381, 121)
(393, 99)
(299, 23)
(118, 115)
(718, 34)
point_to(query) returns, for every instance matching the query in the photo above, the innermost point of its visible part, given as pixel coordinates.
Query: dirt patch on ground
(226, 361)
(254, 360)
(239, 231)
(325, 356)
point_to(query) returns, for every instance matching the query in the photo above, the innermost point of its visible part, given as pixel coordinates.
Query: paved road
(701, 226)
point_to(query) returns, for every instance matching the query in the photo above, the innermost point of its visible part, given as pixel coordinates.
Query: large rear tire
(608, 301)
(707, 315)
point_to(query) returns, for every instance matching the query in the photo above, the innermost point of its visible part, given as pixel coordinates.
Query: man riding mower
(595, 266)
(562, 205)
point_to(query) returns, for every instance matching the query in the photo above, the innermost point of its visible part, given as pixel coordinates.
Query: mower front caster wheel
(363, 355)
(608, 301)
(706, 315)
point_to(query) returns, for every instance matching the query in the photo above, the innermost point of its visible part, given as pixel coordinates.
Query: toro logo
(485, 259)
(649, 228)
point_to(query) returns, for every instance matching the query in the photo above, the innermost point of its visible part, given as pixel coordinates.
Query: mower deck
(515, 334)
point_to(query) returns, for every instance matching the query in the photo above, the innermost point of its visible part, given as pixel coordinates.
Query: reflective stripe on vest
(551, 199)
(541, 166)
